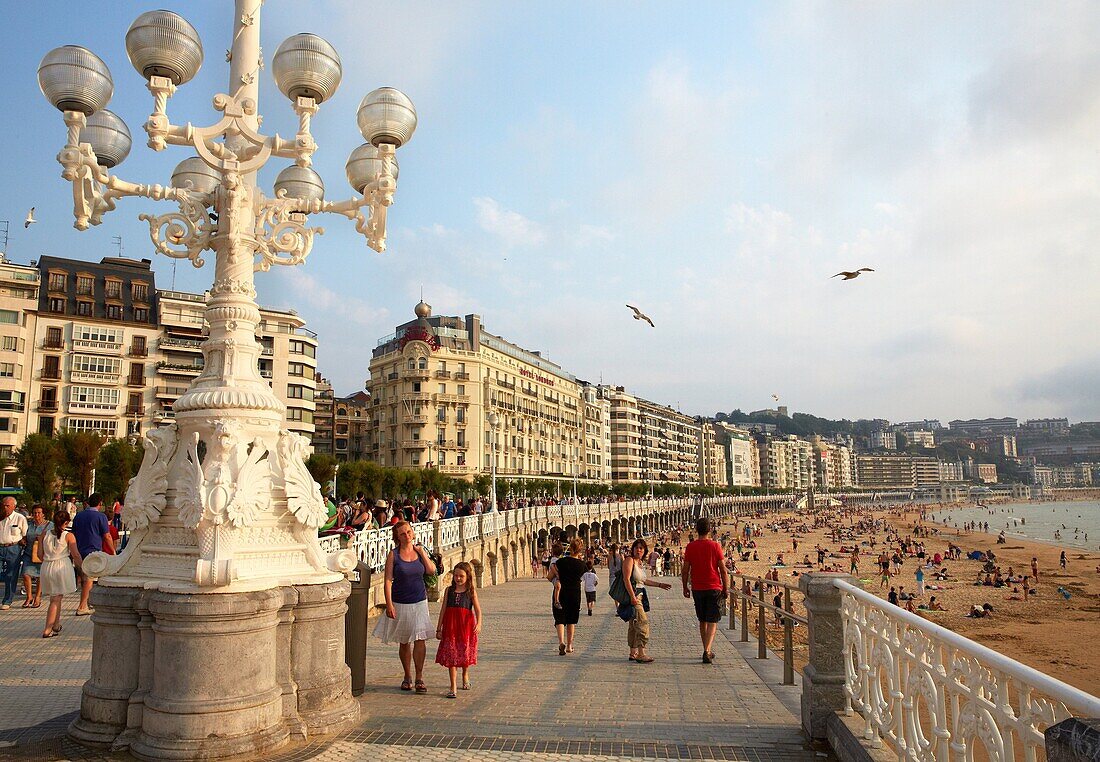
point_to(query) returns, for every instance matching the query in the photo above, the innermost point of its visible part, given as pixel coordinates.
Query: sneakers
(5, 607)
(706, 657)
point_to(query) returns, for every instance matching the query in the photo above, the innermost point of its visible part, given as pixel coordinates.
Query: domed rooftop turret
(423, 310)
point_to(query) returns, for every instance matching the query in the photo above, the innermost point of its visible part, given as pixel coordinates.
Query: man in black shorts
(705, 574)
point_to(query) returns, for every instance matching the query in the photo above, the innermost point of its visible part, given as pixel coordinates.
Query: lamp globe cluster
(306, 66)
(163, 44)
(75, 79)
(109, 137)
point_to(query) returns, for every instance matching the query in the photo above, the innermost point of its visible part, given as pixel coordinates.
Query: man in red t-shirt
(705, 573)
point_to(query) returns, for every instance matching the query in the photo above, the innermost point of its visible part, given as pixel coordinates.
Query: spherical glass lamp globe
(163, 44)
(109, 137)
(306, 66)
(75, 79)
(300, 182)
(386, 115)
(196, 174)
(364, 165)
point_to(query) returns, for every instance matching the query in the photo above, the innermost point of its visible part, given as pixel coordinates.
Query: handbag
(618, 591)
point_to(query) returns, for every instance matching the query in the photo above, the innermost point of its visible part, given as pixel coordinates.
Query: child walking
(590, 582)
(459, 626)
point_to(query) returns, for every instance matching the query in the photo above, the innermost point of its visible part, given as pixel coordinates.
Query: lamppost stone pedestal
(823, 677)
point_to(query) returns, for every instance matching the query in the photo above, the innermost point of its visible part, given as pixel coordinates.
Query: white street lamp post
(223, 511)
(494, 421)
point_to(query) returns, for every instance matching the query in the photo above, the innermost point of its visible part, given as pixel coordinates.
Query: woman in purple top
(407, 620)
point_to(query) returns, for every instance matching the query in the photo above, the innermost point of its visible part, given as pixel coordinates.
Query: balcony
(414, 444)
(178, 369)
(92, 377)
(170, 392)
(52, 344)
(266, 374)
(454, 469)
(462, 376)
(505, 384)
(51, 374)
(391, 376)
(135, 410)
(416, 373)
(416, 419)
(451, 397)
(110, 347)
(47, 406)
(416, 397)
(267, 351)
(187, 345)
(443, 374)
(461, 422)
(530, 392)
(136, 351)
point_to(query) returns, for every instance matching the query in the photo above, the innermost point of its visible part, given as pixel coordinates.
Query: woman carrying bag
(634, 578)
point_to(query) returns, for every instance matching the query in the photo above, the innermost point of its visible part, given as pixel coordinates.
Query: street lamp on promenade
(494, 422)
(219, 630)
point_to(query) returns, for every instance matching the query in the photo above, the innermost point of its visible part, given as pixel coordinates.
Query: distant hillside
(802, 424)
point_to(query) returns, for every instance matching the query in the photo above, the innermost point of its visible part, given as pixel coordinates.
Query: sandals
(57, 630)
(50, 634)
(26, 605)
(452, 694)
(561, 649)
(406, 685)
(467, 685)
(421, 687)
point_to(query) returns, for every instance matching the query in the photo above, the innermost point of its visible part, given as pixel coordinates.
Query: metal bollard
(788, 640)
(762, 628)
(355, 627)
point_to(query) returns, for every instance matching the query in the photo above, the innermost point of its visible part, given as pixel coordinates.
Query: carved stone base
(214, 676)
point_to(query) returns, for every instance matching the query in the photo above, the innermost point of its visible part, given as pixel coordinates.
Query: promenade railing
(931, 694)
(751, 594)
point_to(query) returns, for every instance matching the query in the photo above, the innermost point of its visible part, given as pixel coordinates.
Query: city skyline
(713, 169)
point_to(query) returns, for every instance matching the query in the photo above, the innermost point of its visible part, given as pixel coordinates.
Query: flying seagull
(639, 315)
(30, 219)
(775, 397)
(850, 275)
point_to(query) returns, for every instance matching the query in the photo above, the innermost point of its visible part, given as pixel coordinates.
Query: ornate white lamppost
(219, 630)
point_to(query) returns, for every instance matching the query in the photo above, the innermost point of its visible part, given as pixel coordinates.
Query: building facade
(786, 463)
(742, 457)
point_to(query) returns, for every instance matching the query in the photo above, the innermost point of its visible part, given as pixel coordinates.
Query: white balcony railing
(930, 694)
(92, 377)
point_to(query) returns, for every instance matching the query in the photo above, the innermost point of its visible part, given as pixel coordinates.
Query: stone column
(823, 676)
(116, 653)
(207, 701)
(1074, 740)
(319, 670)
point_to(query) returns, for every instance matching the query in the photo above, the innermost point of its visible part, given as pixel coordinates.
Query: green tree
(322, 468)
(36, 463)
(117, 463)
(79, 455)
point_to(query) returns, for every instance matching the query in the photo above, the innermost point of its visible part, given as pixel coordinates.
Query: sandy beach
(1048, 632)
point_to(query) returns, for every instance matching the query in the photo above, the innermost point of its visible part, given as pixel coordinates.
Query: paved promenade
(527, 703)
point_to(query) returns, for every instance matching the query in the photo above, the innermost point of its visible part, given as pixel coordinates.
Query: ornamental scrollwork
(146, 492)
(184, 234)
(282, 237)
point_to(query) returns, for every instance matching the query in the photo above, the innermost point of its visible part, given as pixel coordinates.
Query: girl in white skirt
(407, 620)
(57, 549)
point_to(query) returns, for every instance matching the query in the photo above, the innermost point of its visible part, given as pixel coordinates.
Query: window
(84, 309)
(140, 292)
(441, 415)
(51, 367)
(57, 281)
(11, 343)
(96, 333)
(7, 424)
(297, 414)
(114, 311)
(422, 363)
(53, 338)
(462, 388)
(133, 404)
(137, 346)
(96, 364)
(94, 397)
(104, 426)
(141, 314)
(7, 370)
(442, 366)
(296, 369)
(11, 317)
(416, 387)
(113, 289)
(57, 305)
(84, 285)
(296, 392)
(461, 439)
(45, 425)
(302, 348)
(137, 374)
(460, 415)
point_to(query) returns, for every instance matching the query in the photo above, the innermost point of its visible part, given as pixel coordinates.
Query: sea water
(1073, 521)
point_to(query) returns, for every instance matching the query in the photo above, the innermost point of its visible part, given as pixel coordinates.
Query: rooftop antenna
(117, 241)
(4, 224)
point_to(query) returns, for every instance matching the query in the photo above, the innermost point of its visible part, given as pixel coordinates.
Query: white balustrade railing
(930, 694)
(449, 536)
(424, 531)
(471, 532)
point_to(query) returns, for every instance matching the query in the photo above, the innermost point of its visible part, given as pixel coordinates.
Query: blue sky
(713, 163)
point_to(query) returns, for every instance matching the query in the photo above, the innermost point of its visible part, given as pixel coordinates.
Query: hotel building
(652, 443)
(434, 383)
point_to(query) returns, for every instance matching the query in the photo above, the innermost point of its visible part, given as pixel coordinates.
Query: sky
(713, 163)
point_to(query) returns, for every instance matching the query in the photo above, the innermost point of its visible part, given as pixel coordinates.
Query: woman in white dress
(57, 549)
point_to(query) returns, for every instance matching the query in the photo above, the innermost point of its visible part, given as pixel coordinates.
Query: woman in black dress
(566, 575)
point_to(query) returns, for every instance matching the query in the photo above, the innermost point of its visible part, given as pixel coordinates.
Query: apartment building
(985, 426)
(786, 463)
(711, 457)
(884, 440)
(832, 463)
(886, 472)
(597, 432)
(96, 347)
(1048, 425)
(433, 384)
(925, 439)
(741, 455)
(341, 423)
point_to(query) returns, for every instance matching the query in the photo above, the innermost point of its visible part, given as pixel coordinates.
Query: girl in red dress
(459, 625)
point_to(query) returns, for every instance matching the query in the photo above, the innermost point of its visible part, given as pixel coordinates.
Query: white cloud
(511, 227)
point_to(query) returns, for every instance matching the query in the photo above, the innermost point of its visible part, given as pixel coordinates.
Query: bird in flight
(30, 219)
(850, 275)
(775, 397)
(639, 315)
